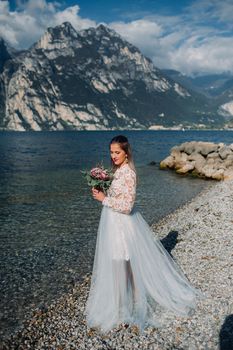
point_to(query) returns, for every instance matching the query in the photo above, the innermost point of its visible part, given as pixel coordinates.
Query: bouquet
(99, 177)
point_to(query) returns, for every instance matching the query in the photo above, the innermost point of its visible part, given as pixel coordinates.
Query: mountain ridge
(94, 79)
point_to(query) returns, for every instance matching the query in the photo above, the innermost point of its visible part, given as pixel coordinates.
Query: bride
(134, 279)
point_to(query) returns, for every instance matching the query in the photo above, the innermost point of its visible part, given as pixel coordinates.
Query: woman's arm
(125, 194)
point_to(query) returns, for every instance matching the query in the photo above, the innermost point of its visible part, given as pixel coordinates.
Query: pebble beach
(199, 237)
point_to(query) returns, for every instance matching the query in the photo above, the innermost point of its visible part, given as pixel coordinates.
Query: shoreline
(198, 234)
(117, 129)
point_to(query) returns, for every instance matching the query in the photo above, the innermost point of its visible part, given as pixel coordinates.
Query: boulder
(213, 155)
(228, 162)
(224, 152)
(218, 164)
(189, 147)
(179, 148)
(168, 162)
(199, 161)
(208, 171)
(204, 159)
(207, 147)
(230, 157)
(228, 174)
(210, 161)
(186, 168)
(218, 175)
(180, 159)
(176, 153)
(197, 157)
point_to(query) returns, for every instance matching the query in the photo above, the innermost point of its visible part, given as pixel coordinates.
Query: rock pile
(203, 159)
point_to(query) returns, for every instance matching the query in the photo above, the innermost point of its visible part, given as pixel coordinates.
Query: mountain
(2, 102)
(211, 85)
(5, 53)
(93, 79)
(218, 88)
(225, 103)
(182, 79)
(4, 57)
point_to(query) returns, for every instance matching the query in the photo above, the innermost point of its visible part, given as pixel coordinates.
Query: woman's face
(118, 155)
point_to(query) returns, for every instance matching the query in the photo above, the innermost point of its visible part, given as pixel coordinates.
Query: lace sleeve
(123, 195)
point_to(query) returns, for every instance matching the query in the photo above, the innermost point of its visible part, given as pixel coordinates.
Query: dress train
(134, 278)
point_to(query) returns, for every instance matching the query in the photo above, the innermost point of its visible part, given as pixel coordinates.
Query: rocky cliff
(5, 55)
(92, 79)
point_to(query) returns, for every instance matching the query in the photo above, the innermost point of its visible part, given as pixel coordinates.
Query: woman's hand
(98, 195)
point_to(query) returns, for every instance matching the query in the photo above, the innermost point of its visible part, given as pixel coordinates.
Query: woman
(134, 278)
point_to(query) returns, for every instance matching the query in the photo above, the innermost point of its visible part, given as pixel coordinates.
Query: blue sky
(192, 36)
(112, 10)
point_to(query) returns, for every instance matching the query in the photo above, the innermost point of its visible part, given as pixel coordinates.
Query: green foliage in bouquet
(99, 178)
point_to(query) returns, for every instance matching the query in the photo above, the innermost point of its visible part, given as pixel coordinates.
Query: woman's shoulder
(125, 169)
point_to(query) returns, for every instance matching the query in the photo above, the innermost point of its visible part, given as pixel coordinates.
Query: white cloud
(143, 33)
(219, 11)
(70, 14)
(199, 40)
(211, 57)
(24, 26)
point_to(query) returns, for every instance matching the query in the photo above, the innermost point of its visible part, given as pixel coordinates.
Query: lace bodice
(122, 192)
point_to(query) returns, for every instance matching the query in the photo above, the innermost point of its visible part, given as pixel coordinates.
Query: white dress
(134, 279)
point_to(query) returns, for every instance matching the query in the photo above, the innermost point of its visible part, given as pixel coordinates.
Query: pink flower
(99, 177)
(99, 173)
(104, 175)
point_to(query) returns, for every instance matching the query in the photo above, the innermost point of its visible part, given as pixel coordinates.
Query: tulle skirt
(134, 278)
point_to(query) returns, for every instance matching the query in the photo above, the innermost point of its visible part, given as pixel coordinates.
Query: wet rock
(204, 159)
(167, 163)
(186, 168)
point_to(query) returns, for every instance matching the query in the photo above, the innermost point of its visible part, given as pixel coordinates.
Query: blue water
(48, 219)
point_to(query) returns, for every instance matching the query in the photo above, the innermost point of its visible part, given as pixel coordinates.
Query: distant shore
(199, 236)
(151, 128)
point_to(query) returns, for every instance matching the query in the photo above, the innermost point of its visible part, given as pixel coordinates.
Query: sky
(194, 37)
